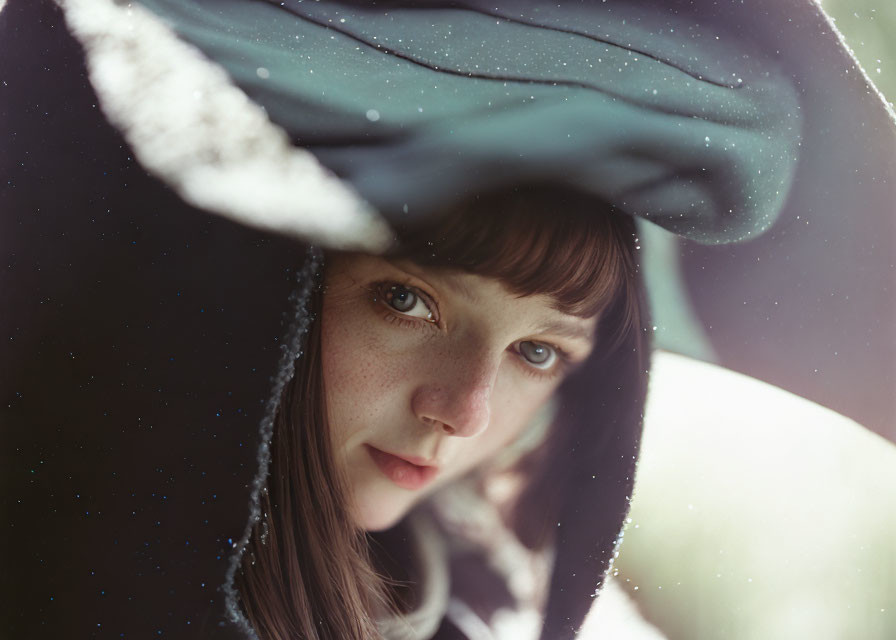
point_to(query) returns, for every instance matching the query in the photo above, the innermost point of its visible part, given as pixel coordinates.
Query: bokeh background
(869, 27)
(777, 523)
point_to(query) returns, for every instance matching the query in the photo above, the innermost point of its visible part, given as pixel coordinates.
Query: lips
(401, 470)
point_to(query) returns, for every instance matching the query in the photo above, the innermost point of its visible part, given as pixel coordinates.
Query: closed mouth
(404, 471)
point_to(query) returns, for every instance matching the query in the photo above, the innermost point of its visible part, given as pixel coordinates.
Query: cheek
(519, 395)
(348, 376)
(515, 403)
(362, 372)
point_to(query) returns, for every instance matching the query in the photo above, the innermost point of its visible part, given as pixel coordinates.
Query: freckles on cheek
(362, 374)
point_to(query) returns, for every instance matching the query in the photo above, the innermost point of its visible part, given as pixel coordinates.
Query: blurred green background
(869, 27)
(732, 538)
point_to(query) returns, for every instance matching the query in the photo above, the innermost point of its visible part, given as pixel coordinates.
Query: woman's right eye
(407, 301)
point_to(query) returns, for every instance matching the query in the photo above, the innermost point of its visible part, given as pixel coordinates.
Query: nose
(457, 401)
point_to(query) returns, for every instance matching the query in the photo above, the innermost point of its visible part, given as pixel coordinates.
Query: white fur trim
(192, 127)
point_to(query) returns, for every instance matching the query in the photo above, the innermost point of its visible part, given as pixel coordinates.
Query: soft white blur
(758, 514)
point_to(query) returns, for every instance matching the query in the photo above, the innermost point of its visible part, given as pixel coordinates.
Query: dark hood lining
(307, 279)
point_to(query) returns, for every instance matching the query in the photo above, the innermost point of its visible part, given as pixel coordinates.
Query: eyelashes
(411, 307)
(542, 360)
(408, 301)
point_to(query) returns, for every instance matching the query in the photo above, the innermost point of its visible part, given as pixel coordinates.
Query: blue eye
(401, 299)
(408, 302)
(540, 356)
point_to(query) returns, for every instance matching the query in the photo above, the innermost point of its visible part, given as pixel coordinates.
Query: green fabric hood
(421, 106)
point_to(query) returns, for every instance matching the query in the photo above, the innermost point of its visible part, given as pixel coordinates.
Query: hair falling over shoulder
(307, 571)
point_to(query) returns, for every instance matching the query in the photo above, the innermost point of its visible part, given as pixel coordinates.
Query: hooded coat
(158, 200)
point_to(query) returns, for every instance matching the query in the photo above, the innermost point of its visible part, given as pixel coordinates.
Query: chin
(377, 521)
(378, 517)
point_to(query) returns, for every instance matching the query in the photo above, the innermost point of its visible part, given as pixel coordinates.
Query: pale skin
(440, 366)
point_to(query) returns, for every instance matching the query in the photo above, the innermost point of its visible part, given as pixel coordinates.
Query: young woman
(424, 368)
(169, 361)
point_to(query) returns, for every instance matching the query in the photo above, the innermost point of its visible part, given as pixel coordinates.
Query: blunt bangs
(538, 241)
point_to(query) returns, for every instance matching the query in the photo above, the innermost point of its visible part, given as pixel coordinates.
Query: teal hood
(421, 105)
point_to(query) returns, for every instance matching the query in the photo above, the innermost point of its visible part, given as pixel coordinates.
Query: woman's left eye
(407, 301)
(540, 356)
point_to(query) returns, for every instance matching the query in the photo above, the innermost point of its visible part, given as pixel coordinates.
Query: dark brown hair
(306, 571)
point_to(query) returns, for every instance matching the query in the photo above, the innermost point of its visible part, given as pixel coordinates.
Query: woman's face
(430, 372)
